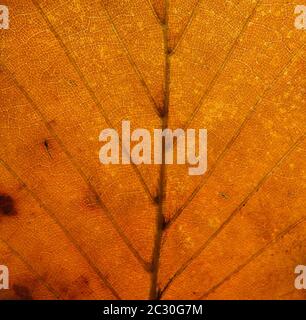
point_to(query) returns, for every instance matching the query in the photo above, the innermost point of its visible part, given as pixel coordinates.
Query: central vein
(160, 219)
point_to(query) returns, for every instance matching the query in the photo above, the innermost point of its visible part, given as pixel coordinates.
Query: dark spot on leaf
(224, 195)
(157, 199)
(22, 292)
(91, 200)
(46, 144)
(86, 281)
(83, 281)
(72, 83)
(47, 147)
(7, 205)
(164, 223)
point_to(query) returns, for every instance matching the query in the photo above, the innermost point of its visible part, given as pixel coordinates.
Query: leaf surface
(72, 228)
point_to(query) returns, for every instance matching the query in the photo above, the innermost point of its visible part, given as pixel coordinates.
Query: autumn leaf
(72, 228)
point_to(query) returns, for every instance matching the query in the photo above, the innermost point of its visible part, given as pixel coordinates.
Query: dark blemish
(224, 195)
(7, 205)
(97, 199)
(164, 223)
(22, 292)
(47, 147)
(46, 144)
(72, 83)
(84, 281)
(92, 200)
(157, 199)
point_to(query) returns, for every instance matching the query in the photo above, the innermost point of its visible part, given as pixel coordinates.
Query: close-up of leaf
(74, 228)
